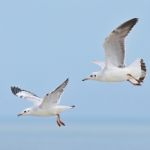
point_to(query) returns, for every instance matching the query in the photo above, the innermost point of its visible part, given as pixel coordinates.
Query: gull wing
(53, 97)
(114, 43)
(26, 95)
(99, 63)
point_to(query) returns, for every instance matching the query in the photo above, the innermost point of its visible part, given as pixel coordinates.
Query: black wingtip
(132, 21)
(12, 89)
(135, 20)
(73, 106)
(67, 80)
(129, 23)
(15, 90)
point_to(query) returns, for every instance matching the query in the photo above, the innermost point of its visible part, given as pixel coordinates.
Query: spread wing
(26, 95)
(114, 43)
(53, 97)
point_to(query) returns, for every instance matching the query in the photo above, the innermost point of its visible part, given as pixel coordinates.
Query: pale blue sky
(43, 42)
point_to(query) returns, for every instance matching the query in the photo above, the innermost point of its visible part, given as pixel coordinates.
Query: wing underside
(26, 95)
(53, 97)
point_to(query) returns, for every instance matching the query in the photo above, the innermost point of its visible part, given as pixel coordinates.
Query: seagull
(47, 106)
(114, 69)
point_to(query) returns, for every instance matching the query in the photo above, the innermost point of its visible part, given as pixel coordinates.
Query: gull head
(92, 76)
(25, 112)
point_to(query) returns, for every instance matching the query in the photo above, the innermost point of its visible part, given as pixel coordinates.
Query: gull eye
(91, 76)
(25, 111)
(94, 75)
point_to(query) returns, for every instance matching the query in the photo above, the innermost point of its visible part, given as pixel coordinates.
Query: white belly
(115, 75)
(50, 111)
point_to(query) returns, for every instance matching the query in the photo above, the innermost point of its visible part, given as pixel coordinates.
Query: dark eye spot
(94, 75)
(25, 111)
(91, 76)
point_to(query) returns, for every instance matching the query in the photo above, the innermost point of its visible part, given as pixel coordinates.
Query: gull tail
(72, 106)
(137, 72)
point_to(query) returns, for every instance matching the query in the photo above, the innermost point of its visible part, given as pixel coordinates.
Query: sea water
(43, 134)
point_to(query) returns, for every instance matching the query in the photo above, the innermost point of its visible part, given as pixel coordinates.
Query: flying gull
(47, 106)
(114, 69)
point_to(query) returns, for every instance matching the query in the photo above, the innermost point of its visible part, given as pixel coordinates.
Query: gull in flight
(114, 69)
(47, 106)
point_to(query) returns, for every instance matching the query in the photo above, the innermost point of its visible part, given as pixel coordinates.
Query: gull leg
(58, 123)
(133, 80)
(58, 120)
(134, 83)
(62, 123)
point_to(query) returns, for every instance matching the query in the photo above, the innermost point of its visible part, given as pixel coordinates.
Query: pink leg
(59, 122)
(133, 80)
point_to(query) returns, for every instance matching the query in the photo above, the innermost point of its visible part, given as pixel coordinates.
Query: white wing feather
(26, 95)
(53, 98)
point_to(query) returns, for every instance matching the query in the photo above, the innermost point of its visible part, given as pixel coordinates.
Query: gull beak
(85, 79)
(20, 114)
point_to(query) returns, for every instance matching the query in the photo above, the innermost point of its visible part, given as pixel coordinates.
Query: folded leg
(133, 80)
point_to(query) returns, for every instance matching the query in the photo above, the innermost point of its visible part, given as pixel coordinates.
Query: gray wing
(114, 43)
(53, 97)
(26, 95)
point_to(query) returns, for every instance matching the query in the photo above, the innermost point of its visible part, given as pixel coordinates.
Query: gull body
(117, 74)
(114, 69)
(47, 106)
(39, 111)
